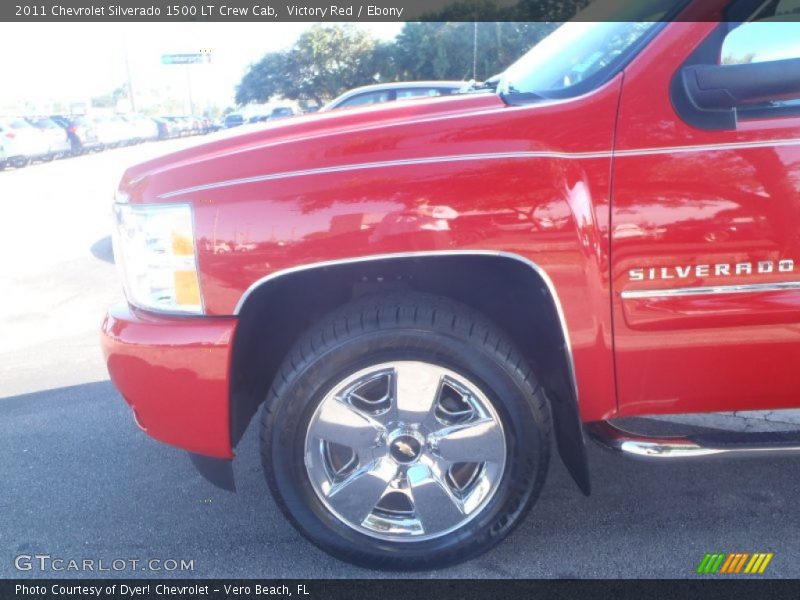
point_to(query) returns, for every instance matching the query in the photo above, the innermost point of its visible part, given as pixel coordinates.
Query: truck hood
(299, 143)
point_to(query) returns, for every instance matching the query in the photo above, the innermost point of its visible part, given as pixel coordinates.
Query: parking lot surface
(79, 481)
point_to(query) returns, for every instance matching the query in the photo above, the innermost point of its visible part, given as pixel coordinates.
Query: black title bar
(399, 589)
(274, 11)
(289, 10)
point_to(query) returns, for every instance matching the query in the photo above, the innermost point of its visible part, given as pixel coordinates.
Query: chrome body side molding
(712, 290)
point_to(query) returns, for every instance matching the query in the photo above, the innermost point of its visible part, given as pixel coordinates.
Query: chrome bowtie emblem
(405, 448)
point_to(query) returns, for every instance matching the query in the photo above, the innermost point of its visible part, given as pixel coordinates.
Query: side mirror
(741, 72)
(726, 87)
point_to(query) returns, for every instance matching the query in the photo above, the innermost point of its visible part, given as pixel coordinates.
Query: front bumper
(174, 373)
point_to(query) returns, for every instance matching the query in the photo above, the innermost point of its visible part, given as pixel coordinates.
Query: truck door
(705, 223)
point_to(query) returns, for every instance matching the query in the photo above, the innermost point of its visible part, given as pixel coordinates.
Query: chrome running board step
(692, 446)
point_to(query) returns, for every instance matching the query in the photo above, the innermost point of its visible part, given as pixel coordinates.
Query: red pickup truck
(420, 296)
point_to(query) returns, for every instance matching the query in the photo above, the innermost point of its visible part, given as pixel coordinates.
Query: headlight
(155, 251)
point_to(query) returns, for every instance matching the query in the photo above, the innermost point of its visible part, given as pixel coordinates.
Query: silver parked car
(389, 92)
(274, 113)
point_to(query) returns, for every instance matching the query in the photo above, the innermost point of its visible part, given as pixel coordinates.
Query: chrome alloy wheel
(405, 451)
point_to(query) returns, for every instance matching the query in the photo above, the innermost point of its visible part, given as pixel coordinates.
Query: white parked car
(23, 142)
(128, 131)
(57, 137)
(145, 128)
(109, 131)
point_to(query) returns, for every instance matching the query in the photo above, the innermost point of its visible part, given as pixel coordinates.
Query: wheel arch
(508, 288)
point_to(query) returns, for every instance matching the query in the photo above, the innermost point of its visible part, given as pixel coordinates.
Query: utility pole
(128, 70)
(189, 87)
(475, 50)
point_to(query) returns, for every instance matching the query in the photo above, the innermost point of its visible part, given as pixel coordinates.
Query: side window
(417, 93)
(365, 99)
(282, 111)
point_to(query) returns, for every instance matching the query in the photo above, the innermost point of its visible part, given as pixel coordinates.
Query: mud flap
(215, 470)
(571, 442)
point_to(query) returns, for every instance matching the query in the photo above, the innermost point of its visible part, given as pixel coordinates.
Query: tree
(264, 79)
(445, 50)
(328, 60)
(324, 62)
(110, 100)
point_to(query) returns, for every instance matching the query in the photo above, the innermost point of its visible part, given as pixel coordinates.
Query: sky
(46, 62)
(766, 41)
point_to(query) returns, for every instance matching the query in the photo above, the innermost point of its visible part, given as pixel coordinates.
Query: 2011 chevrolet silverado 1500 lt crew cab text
(420, 296)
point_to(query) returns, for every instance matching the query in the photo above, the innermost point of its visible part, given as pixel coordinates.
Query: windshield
(576, 53)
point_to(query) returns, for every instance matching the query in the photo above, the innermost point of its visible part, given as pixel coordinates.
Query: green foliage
(502, 10)
(742, 60)
(328, 60)
(264, 79)
(110, 100)
(324, 62)
(445, 50)
(550, 10)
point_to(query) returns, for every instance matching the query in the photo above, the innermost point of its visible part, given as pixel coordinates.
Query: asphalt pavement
(79, 481)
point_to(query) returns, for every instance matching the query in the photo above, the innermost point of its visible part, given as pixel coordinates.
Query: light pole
(187, 60)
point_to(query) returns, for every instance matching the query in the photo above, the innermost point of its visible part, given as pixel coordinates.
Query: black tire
(403, 327)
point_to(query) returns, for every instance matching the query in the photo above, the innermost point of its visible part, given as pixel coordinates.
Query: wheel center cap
(405, 449)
